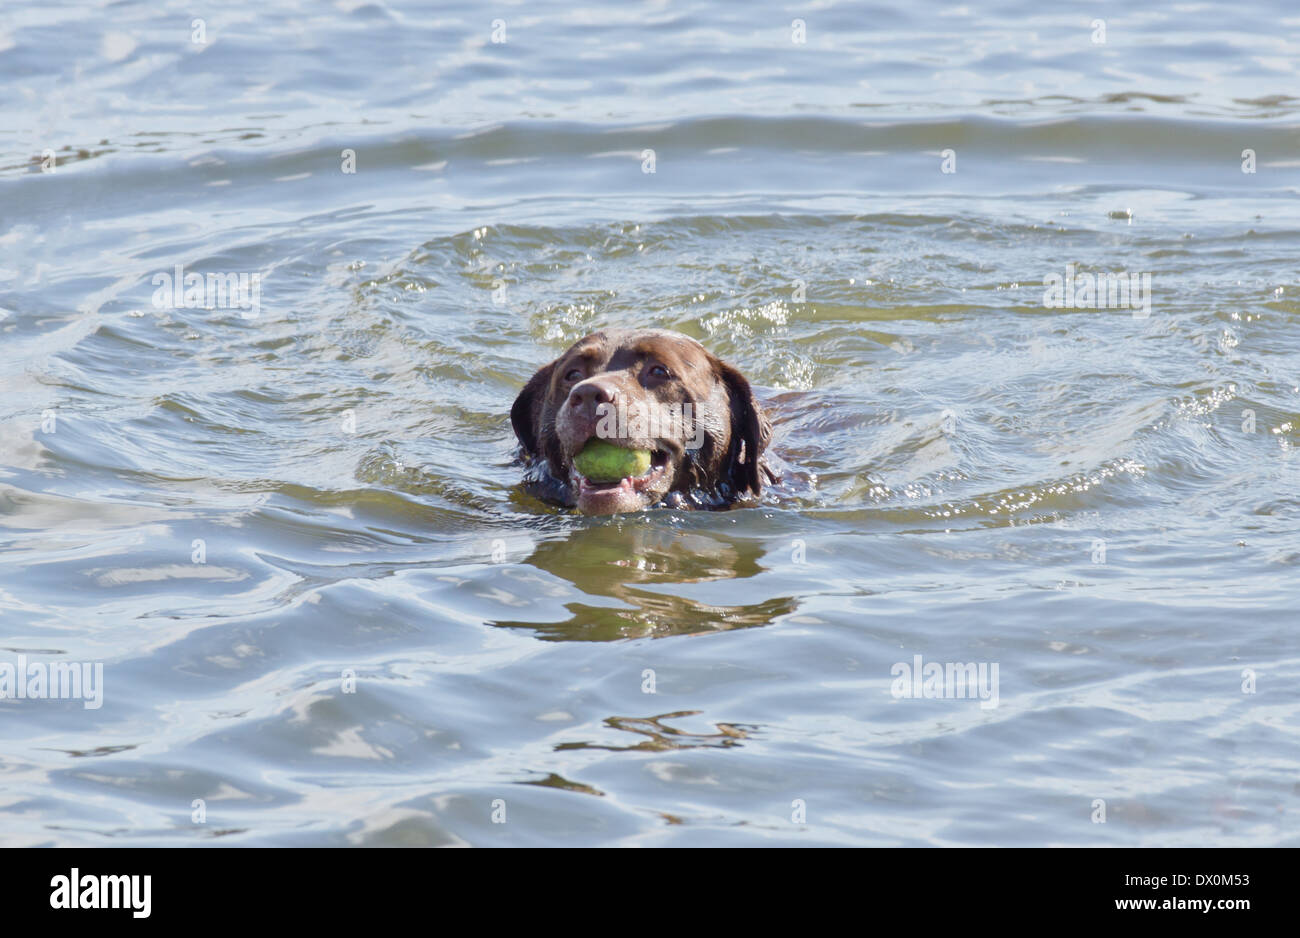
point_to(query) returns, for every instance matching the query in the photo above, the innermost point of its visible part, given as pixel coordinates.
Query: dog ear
(527, 409)
(750, 432)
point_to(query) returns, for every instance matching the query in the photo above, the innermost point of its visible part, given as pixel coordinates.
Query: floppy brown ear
(750, 432)
(527, 410)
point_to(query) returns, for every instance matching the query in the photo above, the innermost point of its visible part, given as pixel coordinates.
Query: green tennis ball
(604, 462)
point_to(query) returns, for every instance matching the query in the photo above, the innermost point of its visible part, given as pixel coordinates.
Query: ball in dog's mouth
(609, 479)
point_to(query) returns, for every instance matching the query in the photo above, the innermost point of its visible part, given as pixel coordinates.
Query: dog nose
(591, 393)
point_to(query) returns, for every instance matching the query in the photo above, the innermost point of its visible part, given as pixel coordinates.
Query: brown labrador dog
(648, 390)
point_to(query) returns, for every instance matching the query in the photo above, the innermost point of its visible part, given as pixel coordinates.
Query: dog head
(645, 391)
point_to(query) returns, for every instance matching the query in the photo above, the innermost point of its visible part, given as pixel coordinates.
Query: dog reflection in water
(619, 561)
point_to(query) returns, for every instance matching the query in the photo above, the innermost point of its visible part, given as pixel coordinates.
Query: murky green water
(293, 536)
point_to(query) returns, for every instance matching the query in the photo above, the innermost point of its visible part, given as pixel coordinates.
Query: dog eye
(659, 371)
(573, 375)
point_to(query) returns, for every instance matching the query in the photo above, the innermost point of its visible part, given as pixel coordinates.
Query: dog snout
(587, 396)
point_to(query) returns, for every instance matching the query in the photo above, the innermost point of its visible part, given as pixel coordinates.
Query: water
(234, 511)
